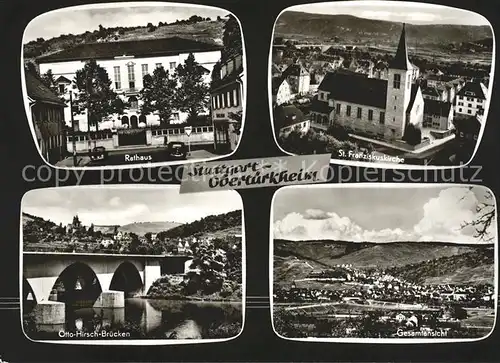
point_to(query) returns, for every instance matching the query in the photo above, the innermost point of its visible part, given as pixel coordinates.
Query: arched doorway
(142, 119)
(77, 286)
(134, 123)
(125, 120)
(127, 279)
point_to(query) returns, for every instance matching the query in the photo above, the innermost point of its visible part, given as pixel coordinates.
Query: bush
(338, 132)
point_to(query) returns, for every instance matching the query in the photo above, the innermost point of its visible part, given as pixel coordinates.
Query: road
(144, 156)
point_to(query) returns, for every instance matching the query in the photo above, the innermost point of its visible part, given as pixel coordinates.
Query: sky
(56, 23)
(407, 12)
(123, 205)
(378, 214)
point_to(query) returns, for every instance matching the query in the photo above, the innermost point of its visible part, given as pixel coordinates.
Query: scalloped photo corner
(381, 83)
(392, 269)
(134, 84)
(141, 265)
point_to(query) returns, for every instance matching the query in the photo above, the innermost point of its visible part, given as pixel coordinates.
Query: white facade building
(471, 99)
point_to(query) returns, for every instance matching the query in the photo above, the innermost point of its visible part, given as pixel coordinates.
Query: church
(379, 107)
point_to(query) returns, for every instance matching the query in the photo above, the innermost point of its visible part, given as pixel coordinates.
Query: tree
(193, 93)
(31, 68)
(95, 94)
(159, 94)
(148, 236)
(49, 81)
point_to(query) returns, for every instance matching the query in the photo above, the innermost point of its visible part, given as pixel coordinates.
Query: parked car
(176, 150)
(98, 153)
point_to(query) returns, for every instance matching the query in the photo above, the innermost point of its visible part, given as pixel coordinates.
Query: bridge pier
(110, 299)
(49, 316)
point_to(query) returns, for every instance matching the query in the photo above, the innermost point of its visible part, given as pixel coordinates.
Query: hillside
(209, 31)
(209, 225)
(420, 261)
(472, 267)
(29, 218)
(348, 28)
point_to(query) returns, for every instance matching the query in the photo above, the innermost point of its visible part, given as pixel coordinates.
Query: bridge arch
(29, 299)
(127, 279)
(77, 284)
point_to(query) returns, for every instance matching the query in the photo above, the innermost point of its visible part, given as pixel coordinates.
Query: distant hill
(141, 228)
(42, 223)
(210, 225)
(208, 31)
(349, 28)
(295, 260)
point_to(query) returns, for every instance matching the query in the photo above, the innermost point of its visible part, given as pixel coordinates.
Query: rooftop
(287, 115)
(400, 60)
(437, 108)
(474, 89)
(355, 88)
(137, 48)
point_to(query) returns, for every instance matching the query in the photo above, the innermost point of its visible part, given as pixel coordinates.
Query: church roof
(295, 70)
(400, 60)
(287, 115)
(355, 88)
(39, 92)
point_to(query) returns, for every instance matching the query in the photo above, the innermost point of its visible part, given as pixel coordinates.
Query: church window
(359, 112)
(409, 81)
(396, 84)
(337, 108)
(370, 115)
(348, 110)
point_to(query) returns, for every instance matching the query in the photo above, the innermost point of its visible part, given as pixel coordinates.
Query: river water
(145, 319)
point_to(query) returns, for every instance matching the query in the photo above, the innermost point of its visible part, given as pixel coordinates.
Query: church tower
(398, 91)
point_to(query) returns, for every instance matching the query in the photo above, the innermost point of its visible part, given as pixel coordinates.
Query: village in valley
(391, 100)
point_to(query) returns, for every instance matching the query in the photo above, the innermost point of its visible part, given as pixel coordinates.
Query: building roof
(276, 84)
(474, 89)
(320, 106)
(355, 88)
(289, 115)
(400, 60)
(39, 92)
(275, 69)
(437, 108)
(138, 48)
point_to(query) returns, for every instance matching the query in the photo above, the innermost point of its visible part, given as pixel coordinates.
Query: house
(226, 95)
(370, 105)
(118, 236)
(275, 71)
(281, 91)
(289, 118)
(47, 116)
(298, 78)
(471, 99)
(438, 115)
(127, 63)
(107, 242)
(466, 136)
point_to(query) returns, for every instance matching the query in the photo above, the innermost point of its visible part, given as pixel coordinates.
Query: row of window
(359, 113)
(396, 82)
(180, 131)
(131, 73)
(226, 99)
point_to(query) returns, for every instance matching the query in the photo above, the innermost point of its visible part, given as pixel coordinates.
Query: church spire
(400, 60)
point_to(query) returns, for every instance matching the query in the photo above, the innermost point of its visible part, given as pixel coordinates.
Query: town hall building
(378, 107)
